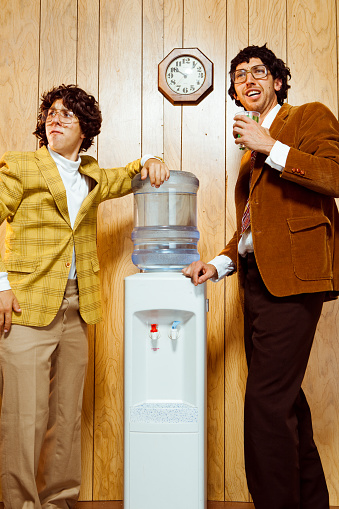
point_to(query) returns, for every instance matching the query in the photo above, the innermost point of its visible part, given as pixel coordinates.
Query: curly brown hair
(275, 65)
(84, 106)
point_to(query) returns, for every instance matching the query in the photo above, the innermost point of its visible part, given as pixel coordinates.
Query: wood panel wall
(112, 48)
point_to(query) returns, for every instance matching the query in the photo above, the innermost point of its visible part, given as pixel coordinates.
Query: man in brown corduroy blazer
(49, 292)
(286, 253)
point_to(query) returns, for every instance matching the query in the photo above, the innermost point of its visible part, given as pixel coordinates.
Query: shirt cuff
(146, 157)
(278, 156)
(224, 265)
(4, 283)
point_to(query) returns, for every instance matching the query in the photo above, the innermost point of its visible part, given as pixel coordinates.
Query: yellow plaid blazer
(39, 236)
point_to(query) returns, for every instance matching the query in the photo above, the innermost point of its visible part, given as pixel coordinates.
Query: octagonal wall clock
(185, 76)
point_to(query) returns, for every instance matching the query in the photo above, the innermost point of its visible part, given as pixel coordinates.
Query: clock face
(185, 75)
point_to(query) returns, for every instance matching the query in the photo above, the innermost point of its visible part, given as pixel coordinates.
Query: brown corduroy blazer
(39, 236)
(294, 217)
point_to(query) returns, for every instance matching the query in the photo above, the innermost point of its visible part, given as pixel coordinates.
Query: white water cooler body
(165, 392)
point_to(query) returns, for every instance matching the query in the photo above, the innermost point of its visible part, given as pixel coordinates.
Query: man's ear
(277, 84)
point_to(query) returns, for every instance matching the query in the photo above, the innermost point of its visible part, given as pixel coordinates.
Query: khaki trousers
(43, 371)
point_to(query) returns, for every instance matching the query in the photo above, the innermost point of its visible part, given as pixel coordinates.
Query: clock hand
(184, 75)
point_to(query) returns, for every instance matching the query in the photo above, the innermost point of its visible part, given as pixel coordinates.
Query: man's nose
(249, 78)
(56, 119)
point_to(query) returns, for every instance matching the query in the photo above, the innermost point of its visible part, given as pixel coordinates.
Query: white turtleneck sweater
(77, 187)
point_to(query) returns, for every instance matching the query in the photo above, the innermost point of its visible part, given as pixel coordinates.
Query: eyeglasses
(258, 72)
(65, 116)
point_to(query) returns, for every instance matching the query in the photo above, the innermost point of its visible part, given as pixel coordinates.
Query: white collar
(268, 120)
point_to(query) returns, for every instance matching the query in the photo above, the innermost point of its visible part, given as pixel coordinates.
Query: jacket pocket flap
(20, 265)
(297, 224)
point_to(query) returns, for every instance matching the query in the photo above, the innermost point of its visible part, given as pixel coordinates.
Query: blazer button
(67, 264)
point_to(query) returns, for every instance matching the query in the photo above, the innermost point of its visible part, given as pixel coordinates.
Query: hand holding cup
(254, 115)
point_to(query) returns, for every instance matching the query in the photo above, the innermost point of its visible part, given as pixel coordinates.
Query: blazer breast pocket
(310, 249)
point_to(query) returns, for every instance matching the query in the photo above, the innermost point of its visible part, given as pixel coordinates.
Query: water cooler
(165, 353)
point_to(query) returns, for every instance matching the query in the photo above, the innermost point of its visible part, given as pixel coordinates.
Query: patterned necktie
(246, 217)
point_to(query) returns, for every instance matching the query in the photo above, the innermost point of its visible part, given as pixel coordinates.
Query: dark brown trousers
(283, 466)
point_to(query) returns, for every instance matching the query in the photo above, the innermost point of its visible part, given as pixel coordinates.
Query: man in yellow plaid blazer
(49, 291)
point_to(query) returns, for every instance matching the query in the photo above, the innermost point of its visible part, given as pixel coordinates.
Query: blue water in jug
(165, 234)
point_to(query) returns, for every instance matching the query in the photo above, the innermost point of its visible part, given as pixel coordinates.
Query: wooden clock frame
(185, 99)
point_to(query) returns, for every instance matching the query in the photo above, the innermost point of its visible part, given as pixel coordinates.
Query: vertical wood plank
(194, 139)
(235, 363)
(312, 58)
(19, 64)
(88, 52)
(173, 33)
(274, 34)
(120, 142)
(249, 28)
(88, 79)
(58, 43)
(203, 153)
(321, 386)
(19, 74)
(152, 54)
(313, 62)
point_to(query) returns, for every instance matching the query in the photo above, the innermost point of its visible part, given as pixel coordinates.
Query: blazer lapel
(92, 171)
(280, 121)
(53, 180)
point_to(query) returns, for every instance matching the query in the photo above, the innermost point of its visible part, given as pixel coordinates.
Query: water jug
(165, 231)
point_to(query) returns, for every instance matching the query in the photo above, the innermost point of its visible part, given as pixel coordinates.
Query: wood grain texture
(311, 39)
(19, 64)
(112, 48)
(87, 72)
(58, 43)
(312, 58)
(19, 75)
(261, 32)
(248, 28)
(87, 65)
(321, 386)
(173, 35)
(203, 153)
(120, 142)
(152, 100)
(235, 364)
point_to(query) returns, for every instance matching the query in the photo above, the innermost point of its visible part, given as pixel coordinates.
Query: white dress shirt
(277, 160)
